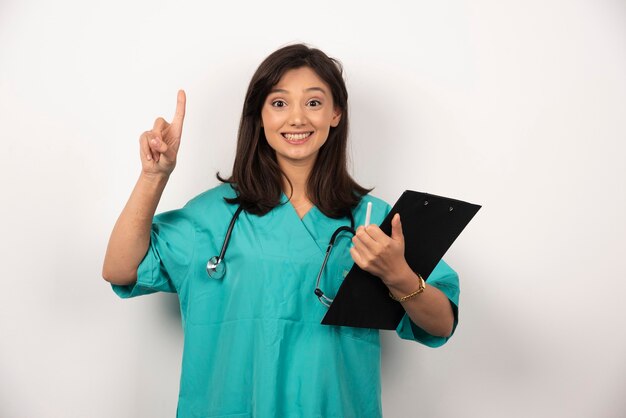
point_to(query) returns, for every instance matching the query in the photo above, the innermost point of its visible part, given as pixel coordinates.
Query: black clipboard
(430, 225)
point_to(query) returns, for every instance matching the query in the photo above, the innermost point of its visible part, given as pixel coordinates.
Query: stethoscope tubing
(318, 291)
(228, 234)
(216, 267)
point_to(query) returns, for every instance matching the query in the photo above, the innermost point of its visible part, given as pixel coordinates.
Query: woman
(254, 345)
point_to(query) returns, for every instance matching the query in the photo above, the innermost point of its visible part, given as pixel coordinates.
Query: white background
(517, 105)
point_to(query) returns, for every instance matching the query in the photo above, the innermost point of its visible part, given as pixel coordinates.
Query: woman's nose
(297, 116)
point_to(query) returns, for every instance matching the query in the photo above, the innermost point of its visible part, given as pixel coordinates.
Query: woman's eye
(314, 103)
(278, 103)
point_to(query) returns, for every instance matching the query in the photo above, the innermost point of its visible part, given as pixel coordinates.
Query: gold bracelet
(411, 295)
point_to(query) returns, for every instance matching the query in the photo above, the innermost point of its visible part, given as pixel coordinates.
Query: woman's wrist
(403, 283)
(157, 179)
(147, 193)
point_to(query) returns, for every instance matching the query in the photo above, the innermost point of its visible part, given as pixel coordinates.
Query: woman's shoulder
(374, 199)
(380, 208)
(213, 197)
(377, 203)
(208, 203)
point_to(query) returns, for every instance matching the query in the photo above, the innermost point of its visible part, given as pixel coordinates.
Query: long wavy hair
(257, 177)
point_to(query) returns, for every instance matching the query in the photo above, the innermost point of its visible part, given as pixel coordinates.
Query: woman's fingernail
(149, 157)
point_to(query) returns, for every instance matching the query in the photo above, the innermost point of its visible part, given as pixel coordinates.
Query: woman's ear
(336, 117)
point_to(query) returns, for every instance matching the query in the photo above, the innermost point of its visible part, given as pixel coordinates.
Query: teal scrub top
(253, 342)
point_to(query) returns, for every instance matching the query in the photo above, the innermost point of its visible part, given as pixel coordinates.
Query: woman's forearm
(429, 310)
(130, 238)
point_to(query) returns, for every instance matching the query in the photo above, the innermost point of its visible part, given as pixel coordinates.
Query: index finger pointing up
(181, 101)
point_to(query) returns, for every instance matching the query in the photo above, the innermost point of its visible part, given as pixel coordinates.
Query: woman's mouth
(297, 138)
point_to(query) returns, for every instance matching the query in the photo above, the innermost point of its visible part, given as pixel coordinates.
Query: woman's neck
(296, 188)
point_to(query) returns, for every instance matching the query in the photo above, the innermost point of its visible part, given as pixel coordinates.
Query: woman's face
(297, 116)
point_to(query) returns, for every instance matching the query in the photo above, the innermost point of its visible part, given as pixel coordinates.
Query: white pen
(368, 214)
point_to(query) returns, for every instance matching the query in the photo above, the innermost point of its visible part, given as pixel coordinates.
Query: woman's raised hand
(159, 146)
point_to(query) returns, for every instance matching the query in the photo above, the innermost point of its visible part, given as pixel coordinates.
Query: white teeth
(296, 137)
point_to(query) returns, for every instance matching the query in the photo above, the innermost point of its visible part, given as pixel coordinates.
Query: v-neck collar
(284, 200)
(315, 224)
(306, 223)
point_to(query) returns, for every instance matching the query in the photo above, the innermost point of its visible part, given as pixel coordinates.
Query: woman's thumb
(396, 228)
(158, 145)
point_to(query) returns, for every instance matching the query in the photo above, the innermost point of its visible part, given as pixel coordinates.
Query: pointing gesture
(159, 146)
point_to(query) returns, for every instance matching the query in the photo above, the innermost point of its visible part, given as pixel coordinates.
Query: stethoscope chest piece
(216, 268)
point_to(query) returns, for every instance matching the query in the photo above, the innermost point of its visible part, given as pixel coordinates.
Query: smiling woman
(254, 344)
(297, 117)
(296, 90)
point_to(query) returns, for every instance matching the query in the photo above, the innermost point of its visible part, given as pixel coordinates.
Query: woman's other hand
(379, 254)
(383, 256)
(159, 146)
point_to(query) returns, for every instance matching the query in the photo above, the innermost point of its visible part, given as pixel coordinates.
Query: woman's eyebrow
(307, 90)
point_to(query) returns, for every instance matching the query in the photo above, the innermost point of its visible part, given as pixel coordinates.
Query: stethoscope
(216, 267)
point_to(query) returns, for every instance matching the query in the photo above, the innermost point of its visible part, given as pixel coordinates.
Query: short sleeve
(446, 280)
(168, 258)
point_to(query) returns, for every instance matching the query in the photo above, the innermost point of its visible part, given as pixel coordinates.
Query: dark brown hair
(257, 177)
